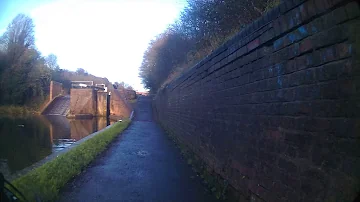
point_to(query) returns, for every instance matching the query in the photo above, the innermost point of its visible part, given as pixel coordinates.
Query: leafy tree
(203, 26)
(18, 38)
(51, 62)
(129, 87)
(81, 71)
(24, 76)
(122, 86)
(166, 53)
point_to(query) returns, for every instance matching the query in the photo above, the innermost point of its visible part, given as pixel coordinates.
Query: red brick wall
(275, 111)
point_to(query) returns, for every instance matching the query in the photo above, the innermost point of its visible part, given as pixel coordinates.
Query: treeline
(202, 27)
(122, 86)
(25, 74)
(23, 71)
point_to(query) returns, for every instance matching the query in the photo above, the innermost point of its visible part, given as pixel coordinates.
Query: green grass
(15, 111)
(47, 180)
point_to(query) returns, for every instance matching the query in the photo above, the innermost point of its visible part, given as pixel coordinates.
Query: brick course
(275, 110)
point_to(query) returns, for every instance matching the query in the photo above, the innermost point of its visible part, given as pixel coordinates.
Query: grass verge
(15, 111)
(46, 181)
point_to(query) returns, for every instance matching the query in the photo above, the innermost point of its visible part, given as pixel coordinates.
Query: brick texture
(275, 111)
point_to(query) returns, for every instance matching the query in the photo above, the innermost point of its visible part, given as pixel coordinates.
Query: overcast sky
(105, 37)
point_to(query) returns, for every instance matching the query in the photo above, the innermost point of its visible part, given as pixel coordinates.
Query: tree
(122, 86)
(116, 85)
(51, 62)
(129, 87)
(166, 53)
(24, 75)
(18, 38)
(81, 71)
(202, 27)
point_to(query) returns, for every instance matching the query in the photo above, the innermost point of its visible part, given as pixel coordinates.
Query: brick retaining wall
(275, 111)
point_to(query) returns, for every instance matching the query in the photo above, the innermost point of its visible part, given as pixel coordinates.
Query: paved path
(141, 165)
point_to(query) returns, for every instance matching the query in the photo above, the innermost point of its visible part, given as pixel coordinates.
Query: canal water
(25, 141)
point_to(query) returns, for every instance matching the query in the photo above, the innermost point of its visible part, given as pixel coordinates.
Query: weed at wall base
(217, 185)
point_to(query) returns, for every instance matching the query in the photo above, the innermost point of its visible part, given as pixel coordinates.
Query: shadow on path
(141, 165)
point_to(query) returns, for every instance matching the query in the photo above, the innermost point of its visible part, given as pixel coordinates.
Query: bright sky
(105, 37)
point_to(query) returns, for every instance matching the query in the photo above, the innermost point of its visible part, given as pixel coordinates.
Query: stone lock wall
(119, 108)
(102, 99)
(87, 101)
(56, 89)
(275, 111)
(83, 101)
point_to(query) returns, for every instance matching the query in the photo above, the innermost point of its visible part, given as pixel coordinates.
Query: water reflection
(24, 141)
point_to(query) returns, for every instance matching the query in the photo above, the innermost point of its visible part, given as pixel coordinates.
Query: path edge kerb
(55, 155)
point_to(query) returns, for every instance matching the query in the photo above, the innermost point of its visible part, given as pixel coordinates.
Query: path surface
(141, 165)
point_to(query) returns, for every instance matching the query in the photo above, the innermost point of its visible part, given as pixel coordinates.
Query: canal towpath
(142, 164)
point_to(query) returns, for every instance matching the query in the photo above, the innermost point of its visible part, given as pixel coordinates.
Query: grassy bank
(46, 180)
(15, 111)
